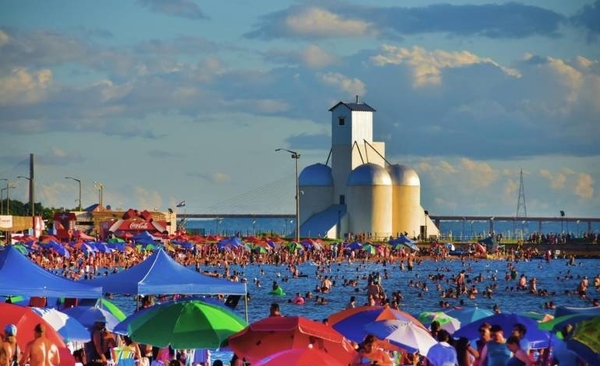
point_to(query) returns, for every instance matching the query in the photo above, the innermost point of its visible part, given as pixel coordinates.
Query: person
(274, 310)
(352, 303)
(434, 328)
(442, 353)
(9, 352)
(465, 354)
(484, 337)
(41, 351)
(98, 349)
(519, 330)
(495, 352)
(520, 357)
(369, 354)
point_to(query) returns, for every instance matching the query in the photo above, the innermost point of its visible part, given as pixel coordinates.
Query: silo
(407, 214)
(316, 190)
(369, 201)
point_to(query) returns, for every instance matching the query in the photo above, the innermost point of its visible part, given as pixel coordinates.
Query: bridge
(435, 218)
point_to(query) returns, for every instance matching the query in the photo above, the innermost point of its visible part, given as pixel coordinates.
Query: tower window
(341, 121)
(342, 199)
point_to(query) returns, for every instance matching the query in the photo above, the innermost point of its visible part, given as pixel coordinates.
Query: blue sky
(170, 100)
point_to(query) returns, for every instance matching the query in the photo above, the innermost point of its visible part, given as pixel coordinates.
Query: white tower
(351, 135)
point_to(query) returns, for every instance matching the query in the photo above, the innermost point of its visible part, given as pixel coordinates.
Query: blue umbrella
(88, 315)
(469, 315)
(536, 337)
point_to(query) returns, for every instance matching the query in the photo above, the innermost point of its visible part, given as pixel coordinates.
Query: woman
(520, 357)
(465, 353)
(369, 354)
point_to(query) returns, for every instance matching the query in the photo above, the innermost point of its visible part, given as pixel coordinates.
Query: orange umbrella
(274, 334)
(25, 320)
(300, 357)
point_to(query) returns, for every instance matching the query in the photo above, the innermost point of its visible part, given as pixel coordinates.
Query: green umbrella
(588, 333)
(370, 249)
(21, 248)
(185, 325)
(446, 321)
(112, 308)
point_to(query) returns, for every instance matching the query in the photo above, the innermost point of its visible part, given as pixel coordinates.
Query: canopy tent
(145, 238)
(20, 276)
(406, 241)
(161, 274)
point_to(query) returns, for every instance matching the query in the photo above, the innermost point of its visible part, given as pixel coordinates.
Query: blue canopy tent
(406, 241)
(161, 274)
(145, 238)
(20, 276)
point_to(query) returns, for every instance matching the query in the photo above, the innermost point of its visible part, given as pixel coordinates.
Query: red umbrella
(300, 357)
(270, 335)
(25, 320)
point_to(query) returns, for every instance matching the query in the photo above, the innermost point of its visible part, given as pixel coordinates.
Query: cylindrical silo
(407, 214)
(369, 201)
(316, 190)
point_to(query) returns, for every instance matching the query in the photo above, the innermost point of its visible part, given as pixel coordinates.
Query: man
(520, 330)
(442, 353)
(9, 350)
(41, 351)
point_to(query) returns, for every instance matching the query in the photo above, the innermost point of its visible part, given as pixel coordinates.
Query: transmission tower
(521, 217)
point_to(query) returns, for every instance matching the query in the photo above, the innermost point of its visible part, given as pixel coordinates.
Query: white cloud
(318, 22)
(350, 86)
(556, 180)
(316, 57)
(427, 65)
(4, 38)
(479, 174)
(146, 199)
(24, 87)
(584, 188)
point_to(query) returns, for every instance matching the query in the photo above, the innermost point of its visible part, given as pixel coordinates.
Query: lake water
(555, 276)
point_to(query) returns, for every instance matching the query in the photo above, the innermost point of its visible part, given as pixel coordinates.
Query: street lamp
(253, 227)
(2, 196)
(295, 156)
(9, 185)
(79, 183)
(100, 187)
(31, 200)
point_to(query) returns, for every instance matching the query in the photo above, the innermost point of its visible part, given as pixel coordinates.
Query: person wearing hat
(10, 352)
(41, 351)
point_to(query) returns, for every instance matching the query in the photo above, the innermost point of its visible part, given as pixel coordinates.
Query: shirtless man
(41, 351)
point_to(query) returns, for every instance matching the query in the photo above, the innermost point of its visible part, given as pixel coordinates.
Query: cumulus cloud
(22, 87)
(556, 180)
(350, 86)
(427, 65)
(310, 22)
(587, 18)
(316, 57)
(178, 8)
(584, 187)
(479, 174)
(147, 199)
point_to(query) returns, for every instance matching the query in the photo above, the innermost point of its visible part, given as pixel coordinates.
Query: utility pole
(521, 216)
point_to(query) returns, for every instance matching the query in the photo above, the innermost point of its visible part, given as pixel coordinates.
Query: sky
(161, 101)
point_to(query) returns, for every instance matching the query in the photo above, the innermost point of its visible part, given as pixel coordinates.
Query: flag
(181, 204)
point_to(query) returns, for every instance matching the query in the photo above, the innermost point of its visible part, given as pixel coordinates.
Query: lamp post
(296, 157)
(9, 185)
(79, 183)
(31, 200)
(578, 228)
(2, 196)
(100, 187)
(253, 227)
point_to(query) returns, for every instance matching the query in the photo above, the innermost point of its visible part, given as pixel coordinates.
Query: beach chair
(123, 356)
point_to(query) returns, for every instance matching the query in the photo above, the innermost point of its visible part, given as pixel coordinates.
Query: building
(358, 191)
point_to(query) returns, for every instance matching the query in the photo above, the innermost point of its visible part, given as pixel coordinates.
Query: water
(450, 230)
(550, 276)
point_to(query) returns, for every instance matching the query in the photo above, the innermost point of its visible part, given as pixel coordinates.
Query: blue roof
(20, 276)
(161, 274)
(360, 107)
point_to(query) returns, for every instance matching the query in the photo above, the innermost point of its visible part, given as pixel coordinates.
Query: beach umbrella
(369, 248)
(351, 322)
(539, 317)
(587, 332)
(537, 338)
(25, 320)
(405, 334)
(274, 334)
(184, 325)
(70, 329)
(300, 357)
(112, 308)
(468, 315)
(88, 315)
(560, 322)
(446, 321)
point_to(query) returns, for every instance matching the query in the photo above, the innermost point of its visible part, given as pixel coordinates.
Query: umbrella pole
(246, 304)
